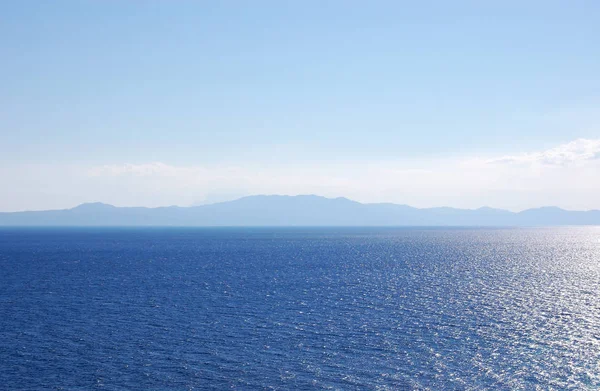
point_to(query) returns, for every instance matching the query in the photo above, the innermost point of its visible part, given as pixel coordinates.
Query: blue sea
(299, 309)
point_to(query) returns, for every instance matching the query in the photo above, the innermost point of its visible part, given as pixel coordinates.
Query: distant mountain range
(302, 210)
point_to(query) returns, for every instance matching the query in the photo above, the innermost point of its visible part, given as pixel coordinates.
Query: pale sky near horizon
(432, 103)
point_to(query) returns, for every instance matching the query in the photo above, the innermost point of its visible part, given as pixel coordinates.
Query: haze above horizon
(155, 103)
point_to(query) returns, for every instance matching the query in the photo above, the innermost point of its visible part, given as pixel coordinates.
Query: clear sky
(427, 103)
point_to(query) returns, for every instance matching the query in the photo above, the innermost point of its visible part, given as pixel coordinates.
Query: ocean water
(300, 308)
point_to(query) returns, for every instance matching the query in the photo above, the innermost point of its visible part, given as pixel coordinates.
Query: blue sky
(313, 91)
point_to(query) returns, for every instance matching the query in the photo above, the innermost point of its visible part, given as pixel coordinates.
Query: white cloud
(574, 151)
(567, 176)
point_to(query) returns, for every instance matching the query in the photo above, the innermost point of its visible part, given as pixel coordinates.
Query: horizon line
(295, 196)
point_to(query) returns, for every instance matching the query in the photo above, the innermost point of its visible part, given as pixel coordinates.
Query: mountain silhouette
(302, 210)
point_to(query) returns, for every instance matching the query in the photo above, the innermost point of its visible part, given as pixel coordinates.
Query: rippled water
(179, 309)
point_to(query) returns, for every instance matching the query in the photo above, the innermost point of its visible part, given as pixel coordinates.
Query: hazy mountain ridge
(304, 210)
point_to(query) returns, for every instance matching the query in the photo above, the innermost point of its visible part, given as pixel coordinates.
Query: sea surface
(300, 309)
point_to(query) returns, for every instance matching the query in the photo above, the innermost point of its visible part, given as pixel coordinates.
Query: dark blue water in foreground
(182, 309)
